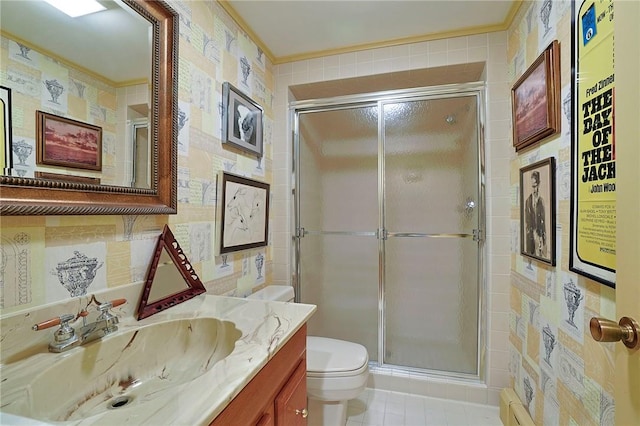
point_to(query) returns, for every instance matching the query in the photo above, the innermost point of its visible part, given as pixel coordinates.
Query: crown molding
(515, 7)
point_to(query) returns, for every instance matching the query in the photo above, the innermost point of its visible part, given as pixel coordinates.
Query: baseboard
(512, 412)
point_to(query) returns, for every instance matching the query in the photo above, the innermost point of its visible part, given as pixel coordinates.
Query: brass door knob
(604, 330)
(304, 413)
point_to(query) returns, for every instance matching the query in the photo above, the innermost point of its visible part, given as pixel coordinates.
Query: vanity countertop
(265, 327)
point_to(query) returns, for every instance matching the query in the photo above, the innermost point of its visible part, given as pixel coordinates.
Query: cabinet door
(291, 402)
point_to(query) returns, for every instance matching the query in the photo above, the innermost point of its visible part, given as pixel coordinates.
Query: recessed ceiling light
(75, 8)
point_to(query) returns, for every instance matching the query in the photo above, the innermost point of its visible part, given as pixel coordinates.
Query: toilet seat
(335, 358)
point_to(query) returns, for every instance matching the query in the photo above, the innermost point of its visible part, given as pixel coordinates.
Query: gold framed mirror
(61, 194)
(171, 278)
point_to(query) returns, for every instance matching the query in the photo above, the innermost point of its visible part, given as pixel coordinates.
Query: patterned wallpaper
(117, 250)
(559, 372)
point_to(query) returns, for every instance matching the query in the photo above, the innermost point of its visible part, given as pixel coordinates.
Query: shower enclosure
(389, 218)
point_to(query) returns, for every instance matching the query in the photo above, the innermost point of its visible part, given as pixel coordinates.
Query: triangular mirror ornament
(170, 280)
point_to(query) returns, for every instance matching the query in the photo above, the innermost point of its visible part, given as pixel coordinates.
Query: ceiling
(301, 29)
(90, 42)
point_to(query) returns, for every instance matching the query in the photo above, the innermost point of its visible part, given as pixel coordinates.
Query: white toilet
(337, 370)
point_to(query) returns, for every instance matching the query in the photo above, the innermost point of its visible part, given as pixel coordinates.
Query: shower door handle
(421, 235)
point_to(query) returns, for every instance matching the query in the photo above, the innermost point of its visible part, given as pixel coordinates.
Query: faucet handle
(110, 319)
(117, 302)
(63, 319)
(103, 307)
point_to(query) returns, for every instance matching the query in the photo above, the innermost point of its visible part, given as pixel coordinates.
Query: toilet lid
(326, 356)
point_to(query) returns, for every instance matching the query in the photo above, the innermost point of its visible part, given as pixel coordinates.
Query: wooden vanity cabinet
(277, 395)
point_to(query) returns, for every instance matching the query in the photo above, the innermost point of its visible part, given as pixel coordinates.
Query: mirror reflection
(68, 67)
(167, 280)
(171, 278)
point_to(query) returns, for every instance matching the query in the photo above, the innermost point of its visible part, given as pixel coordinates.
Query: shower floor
(445, 357)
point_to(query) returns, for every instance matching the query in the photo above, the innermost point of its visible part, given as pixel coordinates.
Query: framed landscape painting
(65, 142)
(535, 100)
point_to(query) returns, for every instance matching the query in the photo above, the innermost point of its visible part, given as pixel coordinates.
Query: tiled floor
(385, 408)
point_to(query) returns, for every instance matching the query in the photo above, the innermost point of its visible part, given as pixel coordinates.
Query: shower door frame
(379, 99)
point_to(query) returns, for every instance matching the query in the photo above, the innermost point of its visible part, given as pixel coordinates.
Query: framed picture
(5, 130)
(537, 211)
(64, 142)
(244, 218)
(241, 120)
(67, 178)
(535, 99)
(594, 141)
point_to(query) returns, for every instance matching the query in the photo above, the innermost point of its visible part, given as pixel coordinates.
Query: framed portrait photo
(537, 211)
(244, 218)
(61, 141)
(241, 120)
(535, 99)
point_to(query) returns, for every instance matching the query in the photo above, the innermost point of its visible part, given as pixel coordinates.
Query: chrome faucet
(67, 337)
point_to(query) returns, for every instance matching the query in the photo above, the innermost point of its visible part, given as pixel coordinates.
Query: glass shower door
(338, 217)
(431, 276)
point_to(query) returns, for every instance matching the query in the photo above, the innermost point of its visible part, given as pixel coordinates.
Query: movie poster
(593, 228)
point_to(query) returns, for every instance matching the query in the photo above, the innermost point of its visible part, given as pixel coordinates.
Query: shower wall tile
(364, 68)
(401, 63)
(347, 59)
(499, 301)
(383, 66)
(438, 59)
(316, 64)
(457, 43)
(500, 322)
(457, 57)
(420, 48)
(438, 46)
(364, 56)
(331, 73)
(500, 110)
(500, 284)
(477, 395)
(300, 77)
(500, 263)
(300, 67)
(316, 74)
(456, 391)
(477, 54)
(348, 71)
(478, 40)
(283, 69)
(419, 61)
(401, 51)
(498, 37)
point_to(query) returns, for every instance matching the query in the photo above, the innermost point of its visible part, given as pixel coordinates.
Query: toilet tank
(282, 293)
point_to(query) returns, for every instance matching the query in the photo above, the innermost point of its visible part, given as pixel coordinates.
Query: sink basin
(125, 370)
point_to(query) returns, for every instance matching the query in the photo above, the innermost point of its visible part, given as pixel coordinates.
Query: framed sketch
(241, 120)
(65, 142)
(535, 99)
(5, 130)
(537, 211)
(244, 219)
